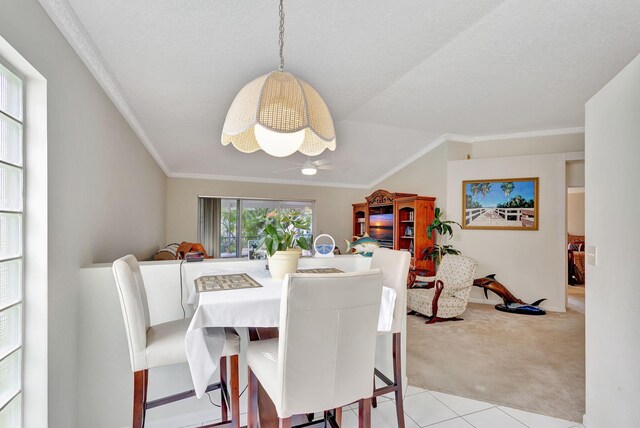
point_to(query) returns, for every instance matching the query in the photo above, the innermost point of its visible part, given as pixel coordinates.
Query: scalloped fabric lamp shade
(279, 114)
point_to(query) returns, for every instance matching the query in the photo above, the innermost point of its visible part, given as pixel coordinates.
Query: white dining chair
(325, 352)
(395, 270)
(160, 345)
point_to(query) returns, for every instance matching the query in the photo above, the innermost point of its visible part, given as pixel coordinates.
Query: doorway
(576, 278)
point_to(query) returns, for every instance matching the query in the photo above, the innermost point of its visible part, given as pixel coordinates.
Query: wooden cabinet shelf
(416, 213)
(360, 219)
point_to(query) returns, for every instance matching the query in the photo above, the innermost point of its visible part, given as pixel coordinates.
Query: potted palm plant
(444, 229)
(281, 235)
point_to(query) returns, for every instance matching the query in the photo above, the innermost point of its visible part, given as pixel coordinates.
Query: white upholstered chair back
(135, 309)
(328, 329)
(457, 274)
(394, 265)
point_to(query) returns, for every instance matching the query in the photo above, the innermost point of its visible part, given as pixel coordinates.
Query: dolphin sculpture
(511, 303)
(363, 245)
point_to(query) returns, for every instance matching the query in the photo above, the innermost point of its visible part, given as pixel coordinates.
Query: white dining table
(241, 308)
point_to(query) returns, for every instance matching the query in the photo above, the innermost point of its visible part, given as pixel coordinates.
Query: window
(11, 233)
(230, 227)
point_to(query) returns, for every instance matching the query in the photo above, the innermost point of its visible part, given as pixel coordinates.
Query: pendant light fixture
(279, 114)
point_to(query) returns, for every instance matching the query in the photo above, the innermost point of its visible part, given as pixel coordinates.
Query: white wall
(106, 193)
(427, 175)
(575, 213)
(612, 315)
(531, 264)
(575, 173)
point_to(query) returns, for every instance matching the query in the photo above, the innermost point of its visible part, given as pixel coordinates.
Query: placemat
(319, 270)
(235, 281)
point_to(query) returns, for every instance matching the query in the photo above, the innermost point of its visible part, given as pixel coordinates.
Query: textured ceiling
(396, 75)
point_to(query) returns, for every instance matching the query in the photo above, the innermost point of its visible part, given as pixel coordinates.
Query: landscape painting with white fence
(500, 204)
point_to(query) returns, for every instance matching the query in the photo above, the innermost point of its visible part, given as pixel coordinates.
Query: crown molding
(471, 140)
(64, 17)
(529, 134)
(426, 149)
(267, 180)
(575, 156)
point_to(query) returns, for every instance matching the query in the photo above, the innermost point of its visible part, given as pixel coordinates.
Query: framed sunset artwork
(500, 204)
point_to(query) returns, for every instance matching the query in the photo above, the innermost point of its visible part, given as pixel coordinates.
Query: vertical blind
(11, 263)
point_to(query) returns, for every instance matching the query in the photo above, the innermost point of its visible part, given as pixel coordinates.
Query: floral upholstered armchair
(444, 297)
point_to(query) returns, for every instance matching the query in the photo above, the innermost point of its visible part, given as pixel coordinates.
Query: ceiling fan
(309, 167)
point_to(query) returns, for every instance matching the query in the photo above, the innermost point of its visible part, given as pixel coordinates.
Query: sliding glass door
(231, 227)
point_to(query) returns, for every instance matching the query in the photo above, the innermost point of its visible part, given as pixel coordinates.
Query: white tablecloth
(250, 307)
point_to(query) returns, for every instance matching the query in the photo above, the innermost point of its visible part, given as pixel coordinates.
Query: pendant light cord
(281, 40)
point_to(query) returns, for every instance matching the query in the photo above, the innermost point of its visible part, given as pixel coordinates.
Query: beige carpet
(576, 297)
(526, 362)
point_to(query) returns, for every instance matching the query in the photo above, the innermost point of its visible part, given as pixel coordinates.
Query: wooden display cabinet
(412, 216)
(379, 202)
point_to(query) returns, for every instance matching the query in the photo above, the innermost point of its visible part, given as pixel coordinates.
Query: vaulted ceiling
(395, 75)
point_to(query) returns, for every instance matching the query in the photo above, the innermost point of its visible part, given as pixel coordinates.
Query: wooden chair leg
(224, 406)
(338, 416)
(374, 400)
(144, 395)
(397, 377)
(139, 397)
(235, 392)
(434, 302)
(364, 413)
(284, 423)
(252, 411)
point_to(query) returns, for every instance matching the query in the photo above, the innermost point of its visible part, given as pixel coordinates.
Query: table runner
(319, 270)
(238, 281)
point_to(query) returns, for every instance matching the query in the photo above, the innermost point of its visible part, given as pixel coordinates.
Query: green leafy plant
(284, 231)
(253, 222)
(228, 231)
(444, 229)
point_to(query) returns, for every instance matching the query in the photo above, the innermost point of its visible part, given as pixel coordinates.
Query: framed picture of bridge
(500, 204)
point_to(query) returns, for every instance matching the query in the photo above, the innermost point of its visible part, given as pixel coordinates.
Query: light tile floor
(438, 410)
